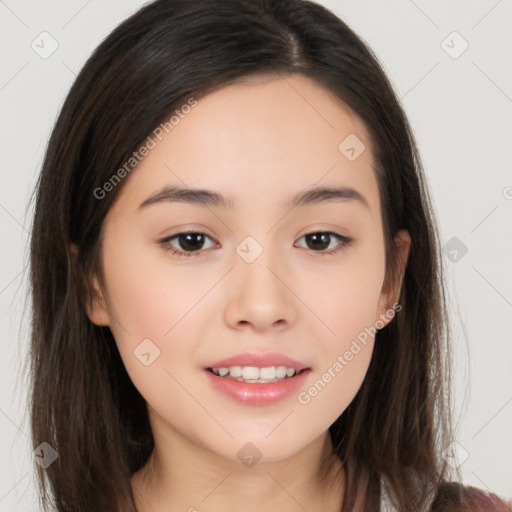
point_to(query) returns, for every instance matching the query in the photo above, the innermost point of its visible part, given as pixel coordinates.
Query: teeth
(235, 371)
(281, 372)
(266, 373)
(250, 372)
(255, 374)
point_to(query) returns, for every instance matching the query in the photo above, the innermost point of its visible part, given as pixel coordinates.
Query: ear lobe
(96, 307)
(95, 303)
(393, 282)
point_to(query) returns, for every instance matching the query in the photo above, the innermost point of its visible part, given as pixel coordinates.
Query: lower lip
(257, 393)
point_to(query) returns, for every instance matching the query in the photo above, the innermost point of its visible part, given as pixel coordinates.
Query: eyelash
(165, 243)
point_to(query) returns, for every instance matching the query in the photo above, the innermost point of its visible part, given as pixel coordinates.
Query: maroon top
(458, 498)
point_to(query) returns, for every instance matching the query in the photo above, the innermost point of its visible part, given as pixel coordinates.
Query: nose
(260, 296)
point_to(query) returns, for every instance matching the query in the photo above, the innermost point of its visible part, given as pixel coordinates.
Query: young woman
(237, 289)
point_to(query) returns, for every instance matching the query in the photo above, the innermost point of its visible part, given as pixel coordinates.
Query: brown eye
(320, 241)
(188, 243)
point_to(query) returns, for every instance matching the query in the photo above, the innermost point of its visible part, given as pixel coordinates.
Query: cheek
(155, 308)
(150, 296)
(346, 301)
(344, 354)
(345, 295)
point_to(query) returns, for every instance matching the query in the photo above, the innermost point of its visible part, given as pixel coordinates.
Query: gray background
(460, 108)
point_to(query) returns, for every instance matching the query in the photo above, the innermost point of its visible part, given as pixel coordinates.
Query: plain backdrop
(450, 65)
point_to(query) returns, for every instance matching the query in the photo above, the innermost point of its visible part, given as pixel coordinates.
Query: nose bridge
(258, 264)
(260, 296)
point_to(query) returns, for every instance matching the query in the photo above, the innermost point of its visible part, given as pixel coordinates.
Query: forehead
(265, 136)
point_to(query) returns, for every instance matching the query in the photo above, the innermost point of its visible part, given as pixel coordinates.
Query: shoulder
(455, 497)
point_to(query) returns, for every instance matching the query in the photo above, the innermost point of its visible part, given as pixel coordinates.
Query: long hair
(83, 402)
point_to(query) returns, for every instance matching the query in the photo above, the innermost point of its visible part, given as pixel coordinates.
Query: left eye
(321, 240)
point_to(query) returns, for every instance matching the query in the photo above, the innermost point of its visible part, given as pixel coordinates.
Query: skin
(261, 141)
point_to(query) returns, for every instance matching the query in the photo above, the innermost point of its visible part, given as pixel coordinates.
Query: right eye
(191, 242)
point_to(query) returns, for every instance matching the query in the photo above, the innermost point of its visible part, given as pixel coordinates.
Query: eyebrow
(202, 197)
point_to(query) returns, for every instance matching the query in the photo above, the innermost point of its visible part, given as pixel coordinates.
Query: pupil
(193, 241)
(324, 239)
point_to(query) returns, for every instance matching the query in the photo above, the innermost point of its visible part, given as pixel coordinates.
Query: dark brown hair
(83, 402)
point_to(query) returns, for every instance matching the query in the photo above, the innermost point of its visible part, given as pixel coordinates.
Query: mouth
(244, 384)
(255, 374)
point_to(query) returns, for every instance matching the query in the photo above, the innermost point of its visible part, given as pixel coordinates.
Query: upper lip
(259, 360)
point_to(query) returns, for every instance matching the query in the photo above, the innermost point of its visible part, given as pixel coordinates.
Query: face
(261, 274)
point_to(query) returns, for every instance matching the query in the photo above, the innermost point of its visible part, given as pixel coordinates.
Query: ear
(96, 306)
(95, 303)
(393, 282)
